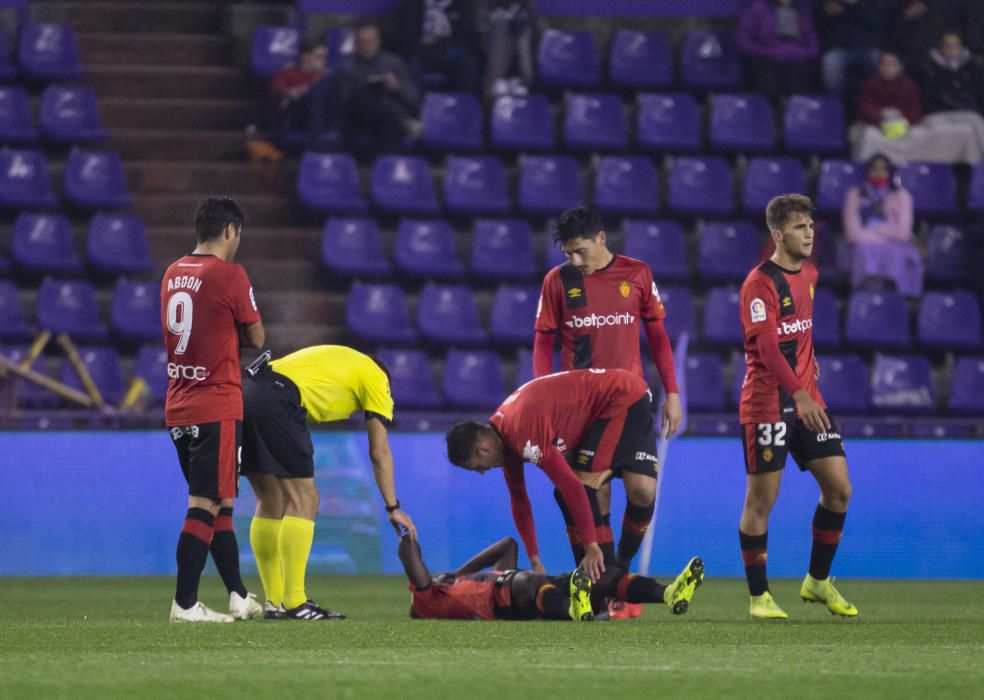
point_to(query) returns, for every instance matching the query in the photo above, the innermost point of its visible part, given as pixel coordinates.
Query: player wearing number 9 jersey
(782, 412)
(207, 306)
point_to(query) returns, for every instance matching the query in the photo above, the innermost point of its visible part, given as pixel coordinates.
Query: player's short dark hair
(461, 441)
(782, 207)
(311, 43)
(214, 214)
(579, 222)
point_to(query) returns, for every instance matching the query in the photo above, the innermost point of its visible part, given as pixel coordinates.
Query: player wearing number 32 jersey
(782, 412)
(207, 304)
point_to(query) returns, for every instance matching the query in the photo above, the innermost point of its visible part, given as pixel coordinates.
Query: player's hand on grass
(400, 519)
(593, 562)
(672, 415)
(811, 412)
(537, 565)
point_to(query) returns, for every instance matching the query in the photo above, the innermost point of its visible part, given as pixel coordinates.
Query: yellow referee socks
(264, 538)
(296, 536)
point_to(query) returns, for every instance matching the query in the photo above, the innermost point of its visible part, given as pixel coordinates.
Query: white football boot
(244, 608)
(199, 612)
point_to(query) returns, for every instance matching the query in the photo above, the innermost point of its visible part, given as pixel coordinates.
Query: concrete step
(186, 145)
(316, 308)
(133, 16)
(283, 275)
(178, 210)
(167, 243)
(143, 48)
(205, 82)
(199, 177)
(165, 113)
(284, 338)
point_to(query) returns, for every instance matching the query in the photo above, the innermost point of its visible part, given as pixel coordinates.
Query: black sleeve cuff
(387, 423)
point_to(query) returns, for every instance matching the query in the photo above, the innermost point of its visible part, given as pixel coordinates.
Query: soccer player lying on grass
(471, 593)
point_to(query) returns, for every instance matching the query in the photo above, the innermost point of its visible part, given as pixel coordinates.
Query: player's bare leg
(828, 524)
(761, 492)
(264, 538)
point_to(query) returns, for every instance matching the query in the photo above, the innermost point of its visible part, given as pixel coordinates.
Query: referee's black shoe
(273, 612)
(309, 610)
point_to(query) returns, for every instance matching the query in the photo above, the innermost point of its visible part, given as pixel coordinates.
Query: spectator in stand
(380, 97)
(877, 220)
(305, 97)
(441, 36)
(780, 47)
(953, 86)
(850, 31)
(893, 122)
(914, 26)
(509, 26)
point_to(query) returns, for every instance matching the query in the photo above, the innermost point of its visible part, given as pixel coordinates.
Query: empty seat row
(71, 307)
(275, 47)
(67, 115)
(92, 181)
(44, 244)
(45, 52)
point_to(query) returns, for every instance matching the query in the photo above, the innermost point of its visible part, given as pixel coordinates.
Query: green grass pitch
(109, 638)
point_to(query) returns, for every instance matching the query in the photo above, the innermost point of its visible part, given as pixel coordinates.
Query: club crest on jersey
(624, 289)
(574, 292)
(757, 309)
(767, 454)
(787, 302)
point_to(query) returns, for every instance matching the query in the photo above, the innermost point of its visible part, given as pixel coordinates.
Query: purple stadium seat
(975, 194)
(513, 314)
(568, 60)
(949, 321)
(844, 383)
(722, 324)
(118, 244)
(826, 319)
(524, 367)
(728, 250)
(476, 185)
(377, 313)
(626, 185)
(815, 124)
(555, 255)
(767, 177)
(523, 123)
(668, 122)
(710, 61)
(329, 182)
(741, 123)
(836, 178)
(70, 307)
(502, 249)
(412, 382)
(273, 48)
(448, 315)
(71, 115)
(426, 248)
(879, 320)
(948, 256)
(660, 245)
(902, 385)
(403, 185)
(967, 388)
(340, 41)
(354, 248)
(103, 365)
(135, 315)
(549, 184)
(24, 181)
(151, 366)
(451, 122)
(27, 393)
(705, 382)
(701, 186)
(473, 379)
(49, 52)
(16, 123)
(96, 181)
(933, 188)
(681, 312)
(43, 243)
(595, 122)
(12, 324)
(640, 60)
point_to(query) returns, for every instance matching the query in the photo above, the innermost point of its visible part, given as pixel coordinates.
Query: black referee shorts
(276, 440)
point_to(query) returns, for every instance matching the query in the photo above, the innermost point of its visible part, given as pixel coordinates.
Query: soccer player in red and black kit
(207, 309)
(595, 305)
(781, 410)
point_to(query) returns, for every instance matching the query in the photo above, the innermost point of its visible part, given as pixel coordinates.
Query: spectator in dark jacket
(951, 80)
(850, 33)
(780, 47)
(305, 97)
(441, 36)
(914, 26)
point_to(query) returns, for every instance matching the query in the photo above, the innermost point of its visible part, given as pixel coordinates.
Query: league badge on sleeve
(758, 310)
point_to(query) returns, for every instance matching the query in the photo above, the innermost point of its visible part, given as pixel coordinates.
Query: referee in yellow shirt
(322, 383)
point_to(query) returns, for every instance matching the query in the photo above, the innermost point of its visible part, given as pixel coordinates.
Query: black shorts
(209, 454)
(276, 440)
(767, 444)
(625, 442)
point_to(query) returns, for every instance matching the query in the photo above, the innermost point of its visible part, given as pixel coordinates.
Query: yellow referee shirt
(336, 381)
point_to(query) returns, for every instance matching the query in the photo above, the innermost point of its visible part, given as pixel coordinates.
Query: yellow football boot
(813, 591)
(580, 610)
(678, 594)
(763, 607)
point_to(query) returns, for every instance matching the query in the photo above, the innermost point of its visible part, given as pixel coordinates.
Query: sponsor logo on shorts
(178, 432)
(645, 457)
(757, 308)
(824, 437)
(194, 373)
(624, 289)
(600, 321)
(800, 325)
(574, 292)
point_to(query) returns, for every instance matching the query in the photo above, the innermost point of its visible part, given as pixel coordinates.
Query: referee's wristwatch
(394, 507)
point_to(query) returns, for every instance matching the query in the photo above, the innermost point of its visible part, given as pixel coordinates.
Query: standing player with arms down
(207, 308)
(595, 304)
(781, 410)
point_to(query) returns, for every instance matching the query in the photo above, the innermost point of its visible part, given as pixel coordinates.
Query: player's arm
(253, 335)
(413, 563)
(382, 469)
(652, 313)
(501, 556)
(522, 510)
(247, 315)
